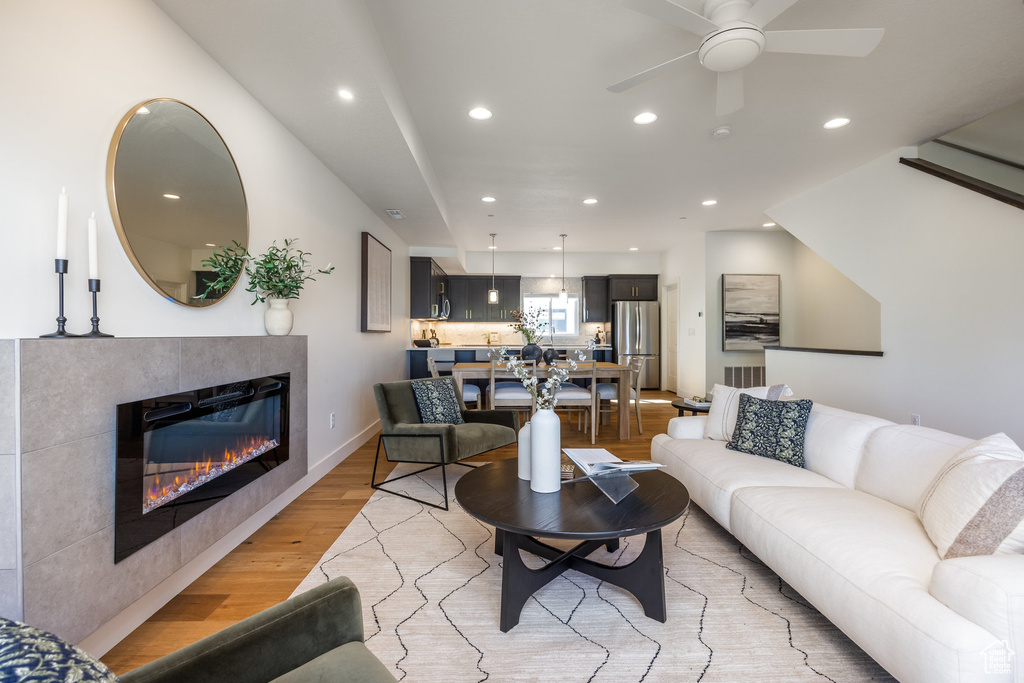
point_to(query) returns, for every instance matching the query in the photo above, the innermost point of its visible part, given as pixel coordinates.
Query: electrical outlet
(915, 419)
(332, 420)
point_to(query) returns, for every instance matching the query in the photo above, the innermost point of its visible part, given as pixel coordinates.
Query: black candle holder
(60, 267)
(94, 287)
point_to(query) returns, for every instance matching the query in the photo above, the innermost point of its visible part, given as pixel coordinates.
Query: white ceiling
(416, 67)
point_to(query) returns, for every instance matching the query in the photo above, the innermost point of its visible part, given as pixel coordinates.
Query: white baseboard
(103, 639)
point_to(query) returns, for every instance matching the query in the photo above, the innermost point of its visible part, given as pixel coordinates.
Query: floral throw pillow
(31, 655)
(771, 429)
(436, 401)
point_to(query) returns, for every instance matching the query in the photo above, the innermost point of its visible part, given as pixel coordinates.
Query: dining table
(605, 371)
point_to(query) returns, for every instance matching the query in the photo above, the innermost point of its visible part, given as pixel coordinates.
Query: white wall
(544, 264)
(684, 265)
(72, 70)
(945, 265)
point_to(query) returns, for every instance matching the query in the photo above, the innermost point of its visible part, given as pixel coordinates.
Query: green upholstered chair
(406, 439)
(314, 636)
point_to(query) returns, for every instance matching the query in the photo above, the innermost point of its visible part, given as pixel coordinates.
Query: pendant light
(563, 295)
(492, 294)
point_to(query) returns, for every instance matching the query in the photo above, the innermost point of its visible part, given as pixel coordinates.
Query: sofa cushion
(771, 429)
(725, 404)
(350, 663)
(900, 462)
(33, 655)
(866, 565)
(711, 472)
(988, 590)
(835, 440)
(975, 505)
(436, 401)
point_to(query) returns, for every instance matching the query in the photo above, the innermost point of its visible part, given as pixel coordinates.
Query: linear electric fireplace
(177, 455)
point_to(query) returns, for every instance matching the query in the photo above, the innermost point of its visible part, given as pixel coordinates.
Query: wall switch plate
(915, 419)
(332, 420)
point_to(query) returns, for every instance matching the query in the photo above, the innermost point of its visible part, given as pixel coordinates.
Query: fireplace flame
(204, 470)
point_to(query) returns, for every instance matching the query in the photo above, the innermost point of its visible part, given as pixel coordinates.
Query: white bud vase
(524, 452)
(278, 317)
(545, 452)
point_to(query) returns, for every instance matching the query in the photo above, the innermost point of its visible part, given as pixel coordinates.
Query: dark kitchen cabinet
(458, 298)
(508, 298)
(633, 287)
(595, 300)
(468, 298)
(428, 288)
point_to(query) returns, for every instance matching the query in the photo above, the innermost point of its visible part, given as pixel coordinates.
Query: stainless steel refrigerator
(636, 332)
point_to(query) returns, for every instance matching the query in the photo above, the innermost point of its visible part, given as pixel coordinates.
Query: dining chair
(509, 394)
(470, 392)
(608, 391)
(572, 395)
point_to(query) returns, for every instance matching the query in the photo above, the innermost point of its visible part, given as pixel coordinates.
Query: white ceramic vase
(278, 317)
(524, 452)
(545, 452)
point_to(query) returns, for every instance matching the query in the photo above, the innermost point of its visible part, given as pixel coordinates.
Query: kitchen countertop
(498, 346)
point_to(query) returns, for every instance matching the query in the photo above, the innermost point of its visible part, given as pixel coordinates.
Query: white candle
(94, 270)
(62, 225)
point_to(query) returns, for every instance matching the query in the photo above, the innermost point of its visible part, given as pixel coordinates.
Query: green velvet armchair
(314, 636)
(406, 439)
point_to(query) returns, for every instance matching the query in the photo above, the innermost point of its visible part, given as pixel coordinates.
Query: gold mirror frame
(125, 214)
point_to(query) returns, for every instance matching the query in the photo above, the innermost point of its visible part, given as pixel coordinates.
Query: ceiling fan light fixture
(645, 118)
(837, 123)
(731, 49)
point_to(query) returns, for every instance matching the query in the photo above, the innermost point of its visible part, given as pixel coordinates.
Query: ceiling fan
(733, 36)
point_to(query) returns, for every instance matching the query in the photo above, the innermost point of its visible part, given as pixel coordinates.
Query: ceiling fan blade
(730, 92)
(650, 74)
(673, 14)
(840, 42)
(766, 10)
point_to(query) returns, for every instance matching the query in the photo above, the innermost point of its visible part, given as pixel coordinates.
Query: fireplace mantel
(57, 478)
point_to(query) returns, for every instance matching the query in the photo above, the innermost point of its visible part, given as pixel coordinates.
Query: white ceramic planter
(545, 452)
(524, 452)
(278, 317)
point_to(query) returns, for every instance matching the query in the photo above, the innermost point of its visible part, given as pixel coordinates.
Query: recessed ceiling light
(172, 196)
(345, 94)
(210, 245)
(480, 114)
(768, 225)
(634, 248)
(492, 247)
(487, 199)
(142, 110)
(557, 248)
(590, 201)
(709, 202)
(836, 123)
(646, 117)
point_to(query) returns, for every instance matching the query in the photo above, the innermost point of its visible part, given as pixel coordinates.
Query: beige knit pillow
(975, 504)
(725, 404)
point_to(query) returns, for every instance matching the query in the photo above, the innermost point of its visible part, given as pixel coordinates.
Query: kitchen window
(563, 318)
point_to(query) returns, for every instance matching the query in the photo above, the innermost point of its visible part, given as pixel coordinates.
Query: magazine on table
(696, 404)
(598, 461)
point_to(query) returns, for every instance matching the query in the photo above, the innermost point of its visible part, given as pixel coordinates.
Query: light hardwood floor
(266, 567)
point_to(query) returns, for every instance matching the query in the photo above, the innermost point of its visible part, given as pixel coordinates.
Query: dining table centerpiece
(545, 432)
(275, 277)
(529, 324)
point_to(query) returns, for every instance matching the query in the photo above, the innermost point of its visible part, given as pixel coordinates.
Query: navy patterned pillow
(771, 429)
(30, 655)
(436, 402)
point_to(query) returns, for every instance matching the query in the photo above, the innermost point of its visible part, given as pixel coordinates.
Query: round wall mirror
(175, 197)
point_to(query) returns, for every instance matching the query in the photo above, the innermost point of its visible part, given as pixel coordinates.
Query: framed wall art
(750, 312)
(376, 286)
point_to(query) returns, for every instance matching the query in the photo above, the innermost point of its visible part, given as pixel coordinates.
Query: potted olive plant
(275, 277)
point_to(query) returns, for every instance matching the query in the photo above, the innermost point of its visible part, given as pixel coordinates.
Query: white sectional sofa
(844, 533)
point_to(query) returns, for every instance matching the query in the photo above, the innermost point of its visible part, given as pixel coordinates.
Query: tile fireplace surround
(57, 473)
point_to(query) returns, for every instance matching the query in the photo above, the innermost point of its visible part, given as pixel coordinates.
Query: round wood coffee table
(495, 495)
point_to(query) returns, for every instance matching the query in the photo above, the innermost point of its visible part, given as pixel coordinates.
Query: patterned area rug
(430, 585)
